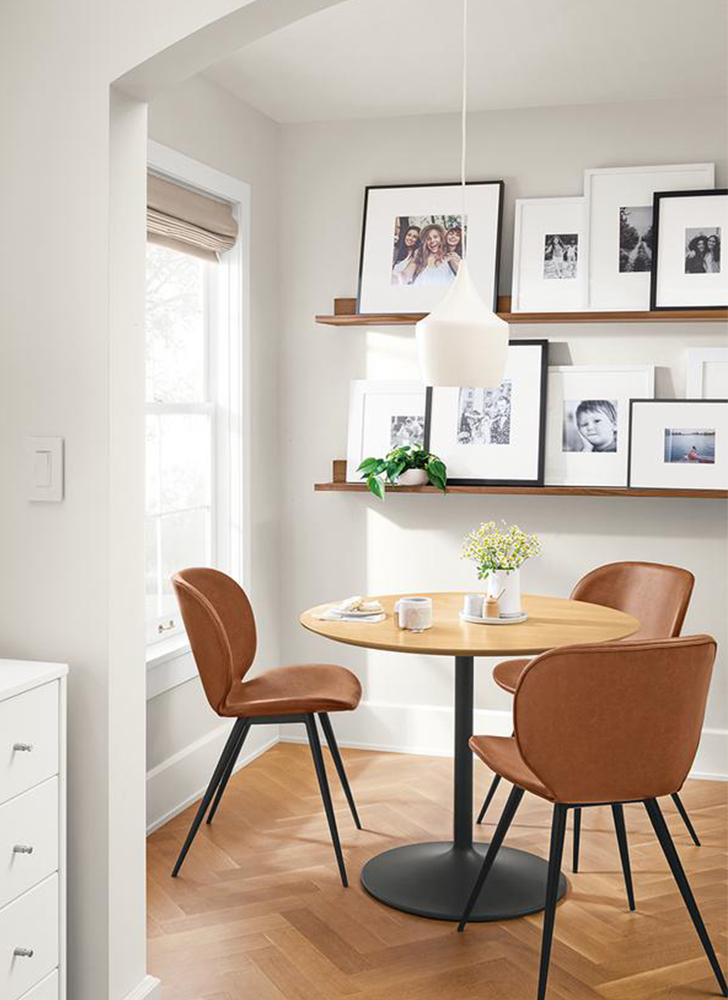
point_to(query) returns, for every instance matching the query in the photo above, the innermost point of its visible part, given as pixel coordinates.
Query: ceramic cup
(473, 605)
(414, 613)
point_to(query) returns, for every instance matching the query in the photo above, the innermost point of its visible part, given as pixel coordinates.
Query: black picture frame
(657, 199)
(542, 344)
(661, 399)
(436, 184)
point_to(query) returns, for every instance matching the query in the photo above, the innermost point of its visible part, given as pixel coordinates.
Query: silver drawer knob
(22, 849)
(23, 747)
(23, 953)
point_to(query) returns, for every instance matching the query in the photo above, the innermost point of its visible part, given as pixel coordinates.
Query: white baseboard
(148, 989)
(182, 778)
(428, 730)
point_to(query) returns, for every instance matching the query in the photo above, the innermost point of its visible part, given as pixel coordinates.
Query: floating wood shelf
(345, 314)
(339, 485)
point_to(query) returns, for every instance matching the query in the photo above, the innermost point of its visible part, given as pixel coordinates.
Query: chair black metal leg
(577, 840)
(211, 789)
(514, 800)
(668, 847)
(318, 761)
(232, 761)
(685, 818)
(618, 814)
(489, 797)
(558, 829)
(339, 764)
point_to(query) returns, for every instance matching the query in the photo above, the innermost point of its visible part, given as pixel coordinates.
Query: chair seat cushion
(295, 690)
(507, 674)
(502, 755)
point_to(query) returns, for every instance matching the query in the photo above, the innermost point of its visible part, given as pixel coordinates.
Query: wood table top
(552, 621)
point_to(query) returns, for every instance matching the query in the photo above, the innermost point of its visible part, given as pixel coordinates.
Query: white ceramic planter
(413, 477)
(504, 585)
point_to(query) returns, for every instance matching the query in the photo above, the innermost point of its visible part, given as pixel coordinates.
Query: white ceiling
(376, 58)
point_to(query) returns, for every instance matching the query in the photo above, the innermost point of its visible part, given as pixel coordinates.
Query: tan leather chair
(221, 629)
(655, 594)
(596, 725)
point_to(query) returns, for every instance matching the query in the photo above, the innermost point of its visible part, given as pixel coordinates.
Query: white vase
(504, 585)
(413, 477)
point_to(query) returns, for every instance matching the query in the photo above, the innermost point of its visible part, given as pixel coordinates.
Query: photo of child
(693, 445)
(590, 425)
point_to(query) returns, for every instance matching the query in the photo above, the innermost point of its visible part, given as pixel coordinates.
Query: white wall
(184, 736)
(339, 544)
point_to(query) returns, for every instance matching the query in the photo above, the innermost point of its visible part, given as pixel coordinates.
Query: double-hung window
(194, 360)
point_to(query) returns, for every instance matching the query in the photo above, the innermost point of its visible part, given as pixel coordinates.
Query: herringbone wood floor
(258, 911)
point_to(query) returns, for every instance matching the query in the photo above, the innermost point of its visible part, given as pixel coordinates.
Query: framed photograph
(587, 422)
(620, 239)
(688, 271)
(679, 444)
(494, 437)
(707, 376)
(412, 244)
(382, 415)
(548, 273)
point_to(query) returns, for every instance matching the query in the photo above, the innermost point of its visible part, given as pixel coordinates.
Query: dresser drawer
(28, 739)
(49, 989)
(28, 839)
(29, 924)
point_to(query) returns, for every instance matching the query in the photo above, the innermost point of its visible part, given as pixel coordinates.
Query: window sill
(167, 649)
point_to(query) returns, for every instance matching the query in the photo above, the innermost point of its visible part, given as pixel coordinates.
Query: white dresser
(32, 830)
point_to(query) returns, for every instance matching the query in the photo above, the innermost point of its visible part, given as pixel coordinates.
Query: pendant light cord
(464, 130)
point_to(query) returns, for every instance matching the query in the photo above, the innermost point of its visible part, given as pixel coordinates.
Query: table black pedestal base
(434, 880)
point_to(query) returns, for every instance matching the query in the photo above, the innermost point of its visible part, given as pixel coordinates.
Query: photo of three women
(427, 250)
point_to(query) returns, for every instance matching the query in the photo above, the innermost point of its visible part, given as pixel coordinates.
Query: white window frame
(169, 662)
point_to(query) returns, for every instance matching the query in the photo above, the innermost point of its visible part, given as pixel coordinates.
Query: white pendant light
(462, 342)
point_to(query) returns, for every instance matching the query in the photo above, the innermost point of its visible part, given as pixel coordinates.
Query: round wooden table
(434, 879)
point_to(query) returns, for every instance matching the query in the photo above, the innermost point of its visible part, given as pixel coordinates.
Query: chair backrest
(614, 721)
(220, 626)
(657, 595)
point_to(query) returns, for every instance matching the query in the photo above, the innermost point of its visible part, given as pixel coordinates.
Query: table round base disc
(434, 880)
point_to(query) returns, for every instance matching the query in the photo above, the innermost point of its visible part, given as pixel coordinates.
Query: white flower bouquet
(503, 546)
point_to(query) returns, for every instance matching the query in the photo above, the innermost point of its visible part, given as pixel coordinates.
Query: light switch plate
(44, 468)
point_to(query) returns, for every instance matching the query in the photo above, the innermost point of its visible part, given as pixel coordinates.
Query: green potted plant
(409, 465)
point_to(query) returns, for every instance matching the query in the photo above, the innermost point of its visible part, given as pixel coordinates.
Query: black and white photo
(693, 445)
(590, 425)
(560, 255)
(407, 430)
(702, 250)
(587, 422)
(635, 238)
(414, 238)
(427, 249)
(484, 415)
(493, 436)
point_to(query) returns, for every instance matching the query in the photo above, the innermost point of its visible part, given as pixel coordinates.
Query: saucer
(492, 621)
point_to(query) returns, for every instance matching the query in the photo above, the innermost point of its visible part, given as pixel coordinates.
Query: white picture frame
(388, 285)
(493, 437)
(547, 278)
(678, 444)
(607, 191)
(376, 411)
(707, 373)
(596, 393)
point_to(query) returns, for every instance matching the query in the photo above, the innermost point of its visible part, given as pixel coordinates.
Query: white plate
(492, 621)
(355, 614)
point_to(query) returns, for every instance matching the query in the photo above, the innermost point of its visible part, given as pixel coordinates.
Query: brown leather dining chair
(658, 596)
(221, 629)
(602, 725)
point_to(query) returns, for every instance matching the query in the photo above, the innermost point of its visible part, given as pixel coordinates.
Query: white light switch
(44, 468)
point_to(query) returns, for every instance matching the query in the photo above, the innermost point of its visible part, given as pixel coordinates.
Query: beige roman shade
(187, 220)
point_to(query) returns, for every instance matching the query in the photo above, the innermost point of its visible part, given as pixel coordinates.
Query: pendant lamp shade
(462, 342)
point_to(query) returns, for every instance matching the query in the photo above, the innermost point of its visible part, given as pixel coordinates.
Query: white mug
(473, 605)
(414, 613)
